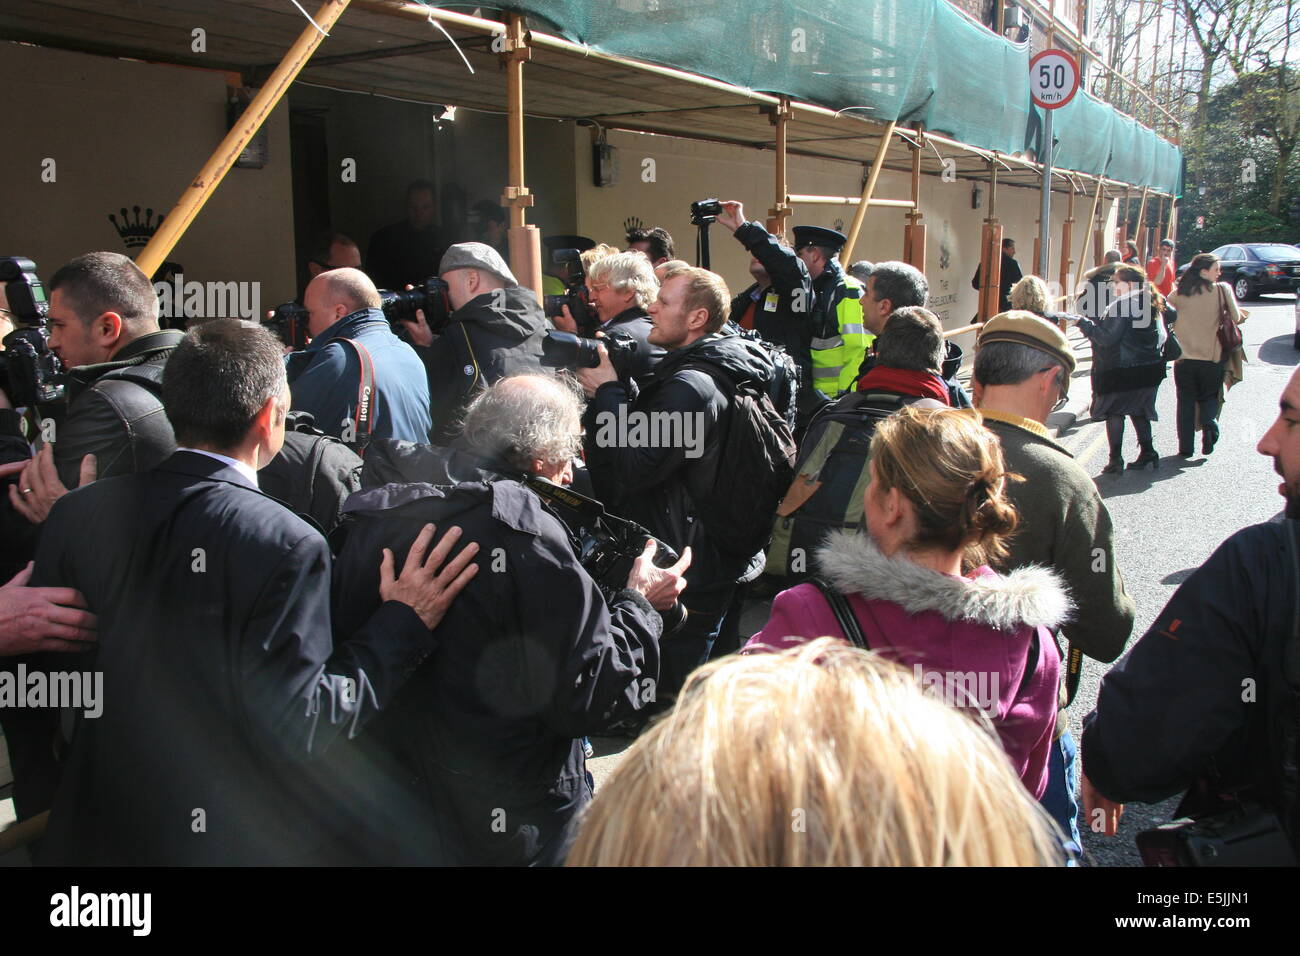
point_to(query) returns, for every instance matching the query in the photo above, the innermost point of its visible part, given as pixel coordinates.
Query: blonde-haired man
(654, 448)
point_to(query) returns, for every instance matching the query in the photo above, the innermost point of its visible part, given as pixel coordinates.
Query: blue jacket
(325, 376)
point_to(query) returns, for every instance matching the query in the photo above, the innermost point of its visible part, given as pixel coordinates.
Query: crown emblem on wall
(136, 230)
(632, 222)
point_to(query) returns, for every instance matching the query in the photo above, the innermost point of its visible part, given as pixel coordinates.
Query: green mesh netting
(908, 60)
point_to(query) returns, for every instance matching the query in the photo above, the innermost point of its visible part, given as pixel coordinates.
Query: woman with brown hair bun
(920, 591)
(823, 755)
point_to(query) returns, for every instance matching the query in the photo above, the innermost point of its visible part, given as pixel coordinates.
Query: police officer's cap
(819, 236)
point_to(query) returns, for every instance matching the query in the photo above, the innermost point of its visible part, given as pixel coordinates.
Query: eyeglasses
(593, 289)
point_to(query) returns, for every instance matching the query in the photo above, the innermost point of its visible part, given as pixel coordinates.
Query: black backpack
(830, 477)
(755, 465)
(313, 474)
(783, 389)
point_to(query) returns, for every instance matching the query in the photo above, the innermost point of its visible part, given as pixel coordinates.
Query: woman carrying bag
(915, 584)
(1208, 314)
(1128, 363)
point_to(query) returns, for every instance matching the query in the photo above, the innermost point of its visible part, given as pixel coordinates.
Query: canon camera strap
(365, 413)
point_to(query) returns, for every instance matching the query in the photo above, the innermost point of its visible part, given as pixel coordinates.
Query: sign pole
(1045, 209)
(1053, 81)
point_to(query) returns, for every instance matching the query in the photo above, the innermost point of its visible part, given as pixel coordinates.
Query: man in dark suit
(220, 675)
(1010, 275)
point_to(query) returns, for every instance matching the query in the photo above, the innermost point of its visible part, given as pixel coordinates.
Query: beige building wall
(125, 133)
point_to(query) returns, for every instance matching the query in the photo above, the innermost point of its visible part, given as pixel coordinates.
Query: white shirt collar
(239, 466)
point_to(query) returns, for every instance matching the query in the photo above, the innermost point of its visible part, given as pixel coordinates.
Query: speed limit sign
(1053, 79)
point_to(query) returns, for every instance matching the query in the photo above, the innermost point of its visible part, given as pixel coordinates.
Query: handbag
(1229, 333)
(1173, 349)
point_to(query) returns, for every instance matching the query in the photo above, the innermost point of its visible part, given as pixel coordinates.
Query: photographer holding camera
(357, 379)
(495, 329)
(622, 286)
(828, 325)
(535, 653)
(658, 452)
(103, 326)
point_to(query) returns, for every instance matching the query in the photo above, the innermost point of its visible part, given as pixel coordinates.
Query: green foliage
(1247, 161)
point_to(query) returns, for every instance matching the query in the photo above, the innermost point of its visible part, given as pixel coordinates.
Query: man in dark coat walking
(219, 673)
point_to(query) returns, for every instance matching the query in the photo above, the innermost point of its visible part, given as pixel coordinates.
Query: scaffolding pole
(200, 190)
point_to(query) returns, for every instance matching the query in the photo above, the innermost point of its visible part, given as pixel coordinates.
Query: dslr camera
(289, 324)
(576, 295)
(30, 373)
(432, 298)
(705, 212)
(566, 350)
(607, 545)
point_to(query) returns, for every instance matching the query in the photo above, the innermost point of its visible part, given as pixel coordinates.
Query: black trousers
(1198, 384)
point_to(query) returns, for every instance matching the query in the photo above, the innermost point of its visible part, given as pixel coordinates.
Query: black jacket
(1207, 682)
(115, 411)
(789, 319)
(637, 323)
(481, 345)
(17, 534)
(530, 657)
(1126, 344)
(657, 486)
(219, 673)
(1009, 275)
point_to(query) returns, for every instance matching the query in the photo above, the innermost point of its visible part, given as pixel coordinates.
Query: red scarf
(905, 382)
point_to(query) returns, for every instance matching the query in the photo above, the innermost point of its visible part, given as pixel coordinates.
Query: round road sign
(1053, 79)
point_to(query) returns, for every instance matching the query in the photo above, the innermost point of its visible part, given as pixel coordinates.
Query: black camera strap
(366, 397)
(844, 616)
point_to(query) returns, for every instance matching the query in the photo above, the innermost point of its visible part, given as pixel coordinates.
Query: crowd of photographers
(359, 590)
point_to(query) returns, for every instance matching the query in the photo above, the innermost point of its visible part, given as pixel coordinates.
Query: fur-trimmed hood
(1031, 595)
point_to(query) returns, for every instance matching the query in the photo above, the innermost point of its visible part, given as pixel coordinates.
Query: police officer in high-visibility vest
(839, 340)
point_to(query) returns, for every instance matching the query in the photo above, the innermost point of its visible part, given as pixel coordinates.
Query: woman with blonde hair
(824, 755)
(919, 588)
(1034, 295)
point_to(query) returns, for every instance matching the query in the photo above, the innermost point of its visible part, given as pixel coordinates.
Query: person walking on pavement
(1127, 366)
(1022, 366)
(1198, 376)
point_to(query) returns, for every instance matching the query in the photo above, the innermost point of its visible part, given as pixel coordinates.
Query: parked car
(1253, 268)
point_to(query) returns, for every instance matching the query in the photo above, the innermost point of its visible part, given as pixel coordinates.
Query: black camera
(566, 350)
(607, 545)
(576, 294)
(289, 323)
(433, 299)
(705, 212)
(30, 373)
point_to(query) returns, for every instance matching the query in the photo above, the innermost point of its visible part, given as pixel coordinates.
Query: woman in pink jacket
(919, 587)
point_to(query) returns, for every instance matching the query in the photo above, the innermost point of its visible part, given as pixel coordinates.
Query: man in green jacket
(1022, 368)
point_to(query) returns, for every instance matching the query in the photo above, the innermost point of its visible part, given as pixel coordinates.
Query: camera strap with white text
(365, 410)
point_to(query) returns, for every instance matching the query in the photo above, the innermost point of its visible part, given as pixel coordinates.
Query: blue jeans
(1061, 798)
